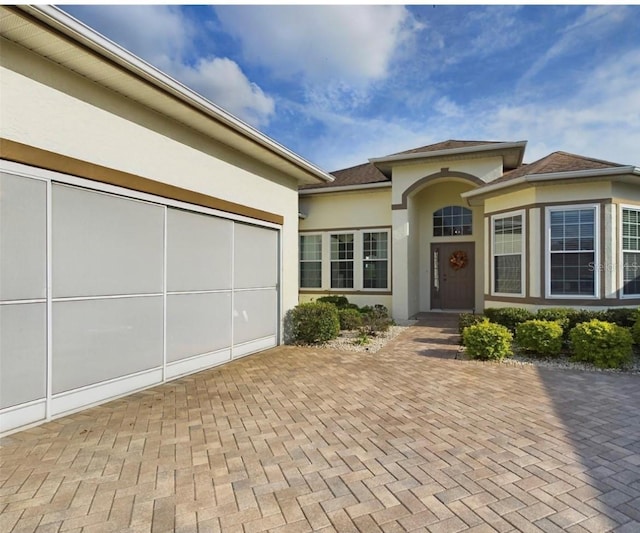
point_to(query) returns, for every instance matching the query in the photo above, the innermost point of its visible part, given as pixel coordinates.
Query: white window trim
(322, 247)
(547, 251)
(523, 254)
(621, 250)
(358, 260)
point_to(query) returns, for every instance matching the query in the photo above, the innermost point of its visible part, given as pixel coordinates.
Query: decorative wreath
(458, 260)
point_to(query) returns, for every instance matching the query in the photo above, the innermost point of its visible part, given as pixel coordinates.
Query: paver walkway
(295, 440)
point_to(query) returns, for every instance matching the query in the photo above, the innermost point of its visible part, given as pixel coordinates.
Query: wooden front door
(453, 275)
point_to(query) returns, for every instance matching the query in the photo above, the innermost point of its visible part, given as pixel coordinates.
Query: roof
(557, 162)
(55, 35)
(365, 174)
(377, 172)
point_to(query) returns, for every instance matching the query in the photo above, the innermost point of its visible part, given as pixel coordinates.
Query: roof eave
(345, 188)
(553, 176)
(83, 35)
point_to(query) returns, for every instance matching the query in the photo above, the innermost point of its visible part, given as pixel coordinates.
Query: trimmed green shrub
(541, 337)
(509, 317)
(486, 340)
(556, 314)
(623, 316)
(350, 318)
(314, 322)
(635, 332)
(341, 302)
(375, 319)
(468, 319)
(603, 344)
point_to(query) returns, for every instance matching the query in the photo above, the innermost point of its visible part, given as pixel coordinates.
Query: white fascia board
(449, 152)
(86, 36)
(344, 188)
(554, 176)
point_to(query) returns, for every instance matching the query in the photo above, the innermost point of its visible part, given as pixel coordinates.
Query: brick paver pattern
(302, 439)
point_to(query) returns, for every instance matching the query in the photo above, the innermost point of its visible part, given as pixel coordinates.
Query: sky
(340, 84)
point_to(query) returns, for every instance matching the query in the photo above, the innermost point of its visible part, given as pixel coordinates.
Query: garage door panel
(23, 353)
(199, 251)
(105, 245)
(255, 257)
(254, 315)
(197, 324)
(23, 234)
(97, 340)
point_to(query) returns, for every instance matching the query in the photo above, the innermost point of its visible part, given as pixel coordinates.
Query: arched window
(452, 220)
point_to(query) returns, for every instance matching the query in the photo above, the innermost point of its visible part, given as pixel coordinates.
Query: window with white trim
(507, 253)
(350, 260)
(375, 260)
(572, 249)
(310, 261)
(342, 261)
(631, 251)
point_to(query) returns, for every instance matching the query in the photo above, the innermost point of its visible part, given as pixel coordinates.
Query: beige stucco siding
(486, 169)
(56, 110)
(346, 210)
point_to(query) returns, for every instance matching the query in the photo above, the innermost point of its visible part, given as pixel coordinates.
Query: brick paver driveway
(312, 440)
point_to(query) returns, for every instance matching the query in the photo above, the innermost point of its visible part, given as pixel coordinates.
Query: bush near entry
(541, 337)
(315, 322)
(509, 317)
(350, 318)
(603, 344)
(486, 340)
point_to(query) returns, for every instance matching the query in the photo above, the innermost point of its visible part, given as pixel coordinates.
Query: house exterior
(465, 225)
(144, 233)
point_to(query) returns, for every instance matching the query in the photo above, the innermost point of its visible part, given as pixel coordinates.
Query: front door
(452, 275)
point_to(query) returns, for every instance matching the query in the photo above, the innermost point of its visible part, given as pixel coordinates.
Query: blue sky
(341, 84)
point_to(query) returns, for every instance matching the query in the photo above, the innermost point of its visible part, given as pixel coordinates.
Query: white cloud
(353, 44)
(163, 37)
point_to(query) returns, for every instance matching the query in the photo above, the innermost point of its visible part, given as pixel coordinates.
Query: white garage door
(140, 292)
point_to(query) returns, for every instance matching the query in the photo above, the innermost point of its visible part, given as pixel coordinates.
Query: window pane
(631, 269)
(311, 274)
(572, 274)
(375, 245)
(342, 246)
(311, 247)
(452, 220)
(374, 275)
(508, 274)
(342, 274)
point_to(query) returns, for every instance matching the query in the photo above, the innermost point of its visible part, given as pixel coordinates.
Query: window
(508, 233)
(572, 251)
(310, 261)
(452, 220)
(630, 251)
(342, 261)
(351, 260)
(374, 260)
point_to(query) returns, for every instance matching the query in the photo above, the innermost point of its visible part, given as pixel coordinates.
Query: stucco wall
(346, 210)
(48, 107)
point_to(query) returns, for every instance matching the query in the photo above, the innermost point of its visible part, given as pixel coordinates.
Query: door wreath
(458, 260)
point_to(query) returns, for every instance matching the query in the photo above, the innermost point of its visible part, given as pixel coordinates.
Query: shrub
(623, 316)
(556, 314)
(603, 344)
(486, 340)
(376, 319)
(541, 337)
(468, 319)
(509, 317)
(635, 332)
(341, 302)
(314, 322)
(350, 318)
